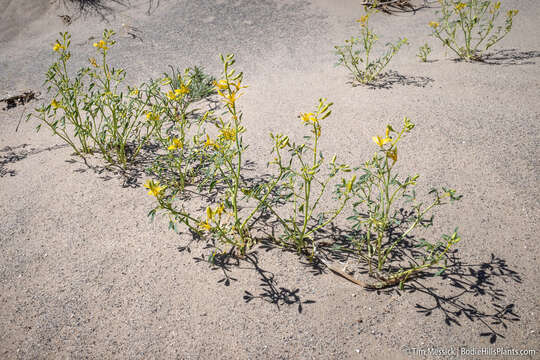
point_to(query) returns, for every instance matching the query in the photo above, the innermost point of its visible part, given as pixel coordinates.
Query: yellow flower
(150, 116)
(497, 5)
(231, 98)
(93, 62)
(460, 6)
(154, 188)
(205, 225)
(392, 154)
(307, 117)
(55, 104)
(210, 143)
(220, 209)
(221, 84)
(228, 133)
(171, 95)
(101, 45)
(363, 20)
(134, 92)
(57, 47)
(176, 144)
(380, 141)
(433, 24)
(182, 91)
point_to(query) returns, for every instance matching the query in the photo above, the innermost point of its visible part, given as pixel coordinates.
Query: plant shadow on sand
(467, 281)
(454, 301)
(10, 155)
(130, 176)
(508, 57)
(103, 8)
(472, 280)
(270, 292)
(390, 78)
(463, 282)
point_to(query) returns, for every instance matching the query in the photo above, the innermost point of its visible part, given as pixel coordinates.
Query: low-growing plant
(468, 27)
(383, 227)
(303, 182)
(223, 223)
(290, 194)
(91, 112)
(423, 52)
(181, 135)
(356, 55)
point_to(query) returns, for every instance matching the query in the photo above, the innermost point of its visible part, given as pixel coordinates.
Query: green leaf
(438, 273)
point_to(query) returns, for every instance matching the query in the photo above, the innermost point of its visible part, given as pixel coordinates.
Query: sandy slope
(84, 274)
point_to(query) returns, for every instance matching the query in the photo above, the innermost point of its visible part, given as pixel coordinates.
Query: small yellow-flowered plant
(356, 55)
(423, 52)
(96, 116)
(379, 197)
(468, 28)
(303, 183)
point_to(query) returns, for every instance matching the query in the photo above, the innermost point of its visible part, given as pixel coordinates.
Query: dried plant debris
(19, 99)
(390, 6)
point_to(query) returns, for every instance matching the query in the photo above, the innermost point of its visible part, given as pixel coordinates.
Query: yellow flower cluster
(154, 188)
(101, 45)
(57, 47)
(309, 117)
(173, 95)
(228, 133)
(176, 144)
(460, 6)
(363, 20)
(391, 153)
(232, 90)
(434, 24)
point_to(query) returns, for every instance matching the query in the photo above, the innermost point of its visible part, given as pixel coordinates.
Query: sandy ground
(84, 274)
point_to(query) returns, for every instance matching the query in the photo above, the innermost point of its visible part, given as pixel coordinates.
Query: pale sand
(84, 274)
